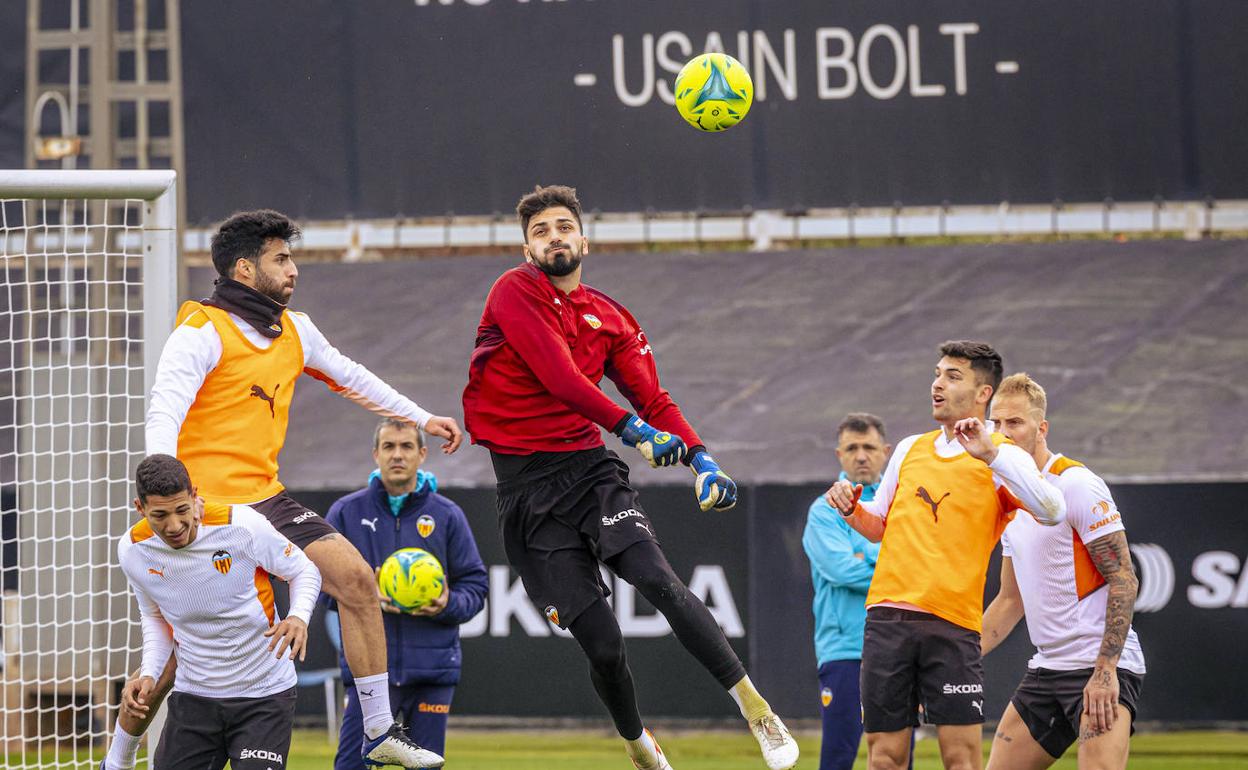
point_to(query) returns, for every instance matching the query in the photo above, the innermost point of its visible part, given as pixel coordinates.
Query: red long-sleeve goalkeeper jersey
(540, 354)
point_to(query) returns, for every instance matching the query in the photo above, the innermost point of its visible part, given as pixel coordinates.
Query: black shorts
(297, 523)
(200, 733)
(1051, 704)
(915, 658)
(560, 518)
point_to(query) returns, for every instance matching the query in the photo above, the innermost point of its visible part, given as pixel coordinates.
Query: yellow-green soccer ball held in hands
(714, 92)
(411, 577)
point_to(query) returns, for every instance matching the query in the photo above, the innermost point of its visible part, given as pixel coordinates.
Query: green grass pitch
(546, 750)
(720, 750)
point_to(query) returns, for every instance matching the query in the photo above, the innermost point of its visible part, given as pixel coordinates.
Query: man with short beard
(221, 403)
(565, 502)
(939, 510)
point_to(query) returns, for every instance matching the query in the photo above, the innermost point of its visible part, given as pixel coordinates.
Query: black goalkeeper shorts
(558, 520)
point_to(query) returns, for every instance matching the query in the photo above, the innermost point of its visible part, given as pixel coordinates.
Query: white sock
(643, 749)
(123, 751)
(374, 692)
(753, 706)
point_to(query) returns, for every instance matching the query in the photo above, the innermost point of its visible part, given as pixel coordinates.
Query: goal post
(88, 292)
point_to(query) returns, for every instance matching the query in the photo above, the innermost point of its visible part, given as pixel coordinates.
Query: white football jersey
(1063, 593)
(215, 596)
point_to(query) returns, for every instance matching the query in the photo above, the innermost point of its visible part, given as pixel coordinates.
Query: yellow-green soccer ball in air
(714, 92)
(411, 577)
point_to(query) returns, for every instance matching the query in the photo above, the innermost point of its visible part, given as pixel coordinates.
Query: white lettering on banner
(844, 61)
(1156, 575)
(668, 64)
(899, 62)
(756, 47)
(959, 33)
(633, 625)
(770, 61)
(647, 71)
(917, 88)
(1215, 574)
(785, 73)
(508, 601)
(710, 584)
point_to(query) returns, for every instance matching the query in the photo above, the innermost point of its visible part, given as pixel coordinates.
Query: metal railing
(764, 230)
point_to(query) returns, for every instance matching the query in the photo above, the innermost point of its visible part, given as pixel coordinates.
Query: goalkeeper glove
(660, 448)
(713, 487)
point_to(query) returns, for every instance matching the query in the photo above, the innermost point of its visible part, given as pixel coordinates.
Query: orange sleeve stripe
(325, 378)
(1087, 577)
(264, 592)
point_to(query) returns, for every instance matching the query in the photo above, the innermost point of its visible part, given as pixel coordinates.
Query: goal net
(87, 291)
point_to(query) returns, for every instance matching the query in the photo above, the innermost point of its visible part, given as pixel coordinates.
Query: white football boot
(779, 748)
(655, 760)
(395, 747)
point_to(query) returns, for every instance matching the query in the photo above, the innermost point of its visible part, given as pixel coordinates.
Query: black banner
(380, 108)
(1188, 541)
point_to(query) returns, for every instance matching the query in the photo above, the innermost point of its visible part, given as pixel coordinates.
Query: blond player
(1077, 589)
(939, 510)
(200, 574)
(221, 403)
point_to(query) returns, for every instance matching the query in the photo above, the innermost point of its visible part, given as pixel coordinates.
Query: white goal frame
(153, 194)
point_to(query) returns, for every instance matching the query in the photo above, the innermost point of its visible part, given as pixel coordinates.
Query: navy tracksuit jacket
(420, 650)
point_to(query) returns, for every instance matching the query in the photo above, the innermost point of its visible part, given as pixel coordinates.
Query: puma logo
(643, 526)
(922, 493)
(258, 392)
(367, 693)
(979, 706)
(370, 523)
(160, 571)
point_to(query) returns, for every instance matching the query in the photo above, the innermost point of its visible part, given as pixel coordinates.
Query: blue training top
(841, 578)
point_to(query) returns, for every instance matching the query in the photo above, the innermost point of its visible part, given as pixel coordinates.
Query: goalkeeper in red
(565, 504)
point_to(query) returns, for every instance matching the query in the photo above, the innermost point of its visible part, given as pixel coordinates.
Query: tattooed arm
(1005, 610)
(1100, 697)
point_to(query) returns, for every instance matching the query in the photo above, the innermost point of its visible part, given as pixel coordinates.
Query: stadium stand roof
(1142, 346)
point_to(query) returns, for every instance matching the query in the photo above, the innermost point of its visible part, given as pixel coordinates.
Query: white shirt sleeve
(350, 379)
(278, 556)
(157, 639)
(1090, 508)
(887, 490)
(189, 355)
(1016, 470)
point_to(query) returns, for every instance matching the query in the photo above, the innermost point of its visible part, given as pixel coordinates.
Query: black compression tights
(645, 567)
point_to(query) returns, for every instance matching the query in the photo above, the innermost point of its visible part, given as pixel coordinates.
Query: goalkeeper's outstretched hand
(713, 487)
(660, 448)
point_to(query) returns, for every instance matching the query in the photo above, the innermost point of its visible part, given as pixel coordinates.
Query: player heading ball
(565, 503)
